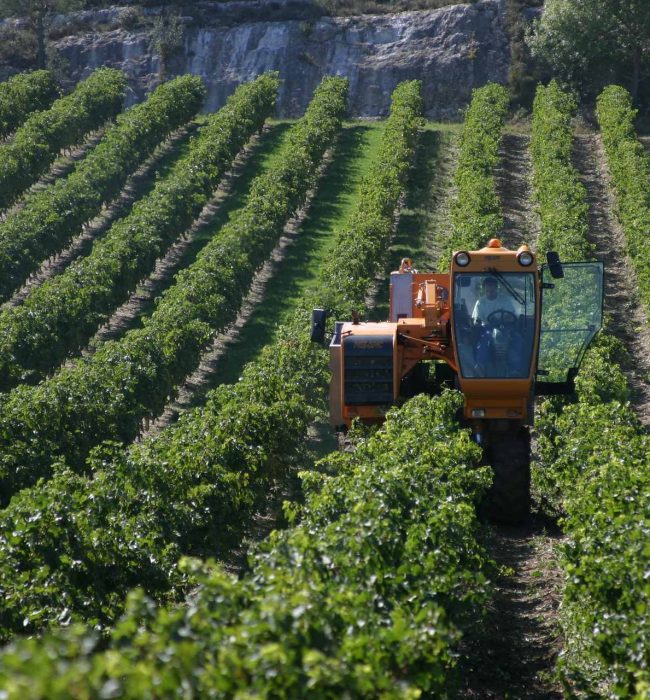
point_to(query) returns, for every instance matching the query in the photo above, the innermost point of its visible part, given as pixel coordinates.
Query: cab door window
(572, 314)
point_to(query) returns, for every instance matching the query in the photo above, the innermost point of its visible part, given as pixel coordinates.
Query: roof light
(525, 258)
(494, 243)
(462, 259)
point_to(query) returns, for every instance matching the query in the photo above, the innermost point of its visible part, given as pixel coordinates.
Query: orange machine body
(422, 328)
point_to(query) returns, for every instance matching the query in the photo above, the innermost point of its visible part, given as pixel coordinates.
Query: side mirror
(318, 320)
(554, 265)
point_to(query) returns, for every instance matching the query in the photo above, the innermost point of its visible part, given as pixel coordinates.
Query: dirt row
(521, 224)
(514, 654)
(628, 319)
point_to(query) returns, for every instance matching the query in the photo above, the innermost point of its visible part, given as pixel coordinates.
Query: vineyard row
(23, 94)
(629, 167)
(561, 197)
(59, 317)
(39, 140)
(476, 211)
(592, 464)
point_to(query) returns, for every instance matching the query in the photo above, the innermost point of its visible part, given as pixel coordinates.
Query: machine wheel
(508, 453)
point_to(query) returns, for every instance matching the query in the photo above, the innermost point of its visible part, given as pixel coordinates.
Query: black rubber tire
(508, 453)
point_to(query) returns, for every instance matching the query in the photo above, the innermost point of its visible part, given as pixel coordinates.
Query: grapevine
(590, 468)
(23, 94)
(40, 139)
(58, 317)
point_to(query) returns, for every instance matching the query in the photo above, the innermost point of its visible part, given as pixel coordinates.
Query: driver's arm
(476, 314)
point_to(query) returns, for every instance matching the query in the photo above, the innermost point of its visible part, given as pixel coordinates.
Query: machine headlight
(478, 413)
(462, 259)
(525, 258)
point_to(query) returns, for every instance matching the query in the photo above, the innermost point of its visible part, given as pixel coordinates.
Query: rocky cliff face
(452, 50)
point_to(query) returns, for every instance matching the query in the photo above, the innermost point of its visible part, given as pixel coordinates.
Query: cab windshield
(494, 323)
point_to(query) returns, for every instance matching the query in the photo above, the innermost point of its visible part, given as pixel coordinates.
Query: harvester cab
(498, 327)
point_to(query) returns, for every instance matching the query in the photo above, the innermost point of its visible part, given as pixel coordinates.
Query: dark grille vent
(368, 363)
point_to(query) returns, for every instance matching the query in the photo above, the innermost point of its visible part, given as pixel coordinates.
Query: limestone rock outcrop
(452, 50)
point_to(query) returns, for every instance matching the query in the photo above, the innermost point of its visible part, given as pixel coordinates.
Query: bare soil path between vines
(521, 225)
(515, 189)
(68, 160)
(514, 655)
(629, 321)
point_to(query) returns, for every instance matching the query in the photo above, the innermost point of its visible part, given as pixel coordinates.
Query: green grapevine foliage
(593, 466)
(48, 220)
(58, 317)
(560, 195)
(106, 396)
(594, 456)
(629, 167)
(23, 94)
(366, 597)
(37, 143)
(476, 213)
(191, 489)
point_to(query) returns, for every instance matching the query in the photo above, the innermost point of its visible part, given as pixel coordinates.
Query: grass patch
(330, 209)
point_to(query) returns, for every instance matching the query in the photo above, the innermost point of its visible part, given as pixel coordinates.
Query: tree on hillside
(592, 42)
(40, 13)
(167, 39)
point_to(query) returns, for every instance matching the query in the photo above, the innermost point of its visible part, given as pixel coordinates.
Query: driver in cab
(496, 311)
(491, 301)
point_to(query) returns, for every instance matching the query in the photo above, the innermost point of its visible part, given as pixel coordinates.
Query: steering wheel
(501, 318)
